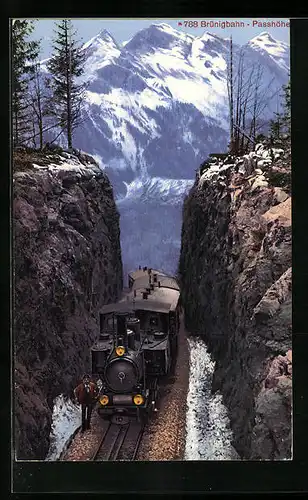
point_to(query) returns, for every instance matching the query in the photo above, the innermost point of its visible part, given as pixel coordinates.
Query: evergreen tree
(65, 66)
(280, 127)
(276, 127)
(24, 53)
(287, 109)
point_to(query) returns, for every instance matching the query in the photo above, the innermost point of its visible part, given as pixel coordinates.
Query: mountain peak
(102, 37)
(263, 37)
(157, 35)
(265, 44)
(105, 35)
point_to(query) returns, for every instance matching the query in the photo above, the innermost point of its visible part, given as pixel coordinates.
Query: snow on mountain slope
(278, 51)
(157, 189)
(100, 51)
(157, 105)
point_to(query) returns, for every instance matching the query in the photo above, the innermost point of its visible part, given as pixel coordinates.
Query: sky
(124, 29)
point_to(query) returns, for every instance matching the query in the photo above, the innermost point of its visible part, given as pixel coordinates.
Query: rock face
(67, 264)
(235, 268)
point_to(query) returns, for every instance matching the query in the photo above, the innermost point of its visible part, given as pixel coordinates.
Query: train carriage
(137, 344)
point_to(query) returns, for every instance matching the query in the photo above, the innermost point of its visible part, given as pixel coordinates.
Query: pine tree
(65, 66)
(280, 127)
(287, 109)
(24, 53)
(276, 128)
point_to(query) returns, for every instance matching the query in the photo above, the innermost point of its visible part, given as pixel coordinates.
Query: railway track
(119, 442)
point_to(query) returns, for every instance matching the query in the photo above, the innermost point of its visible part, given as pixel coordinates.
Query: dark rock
(66, 244)
(235, 272)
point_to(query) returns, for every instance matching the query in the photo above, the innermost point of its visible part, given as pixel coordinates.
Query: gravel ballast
(164, 437)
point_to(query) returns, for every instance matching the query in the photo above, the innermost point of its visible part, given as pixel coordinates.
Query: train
(137, 345)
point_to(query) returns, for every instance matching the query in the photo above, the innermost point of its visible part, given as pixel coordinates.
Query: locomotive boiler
(137, 344)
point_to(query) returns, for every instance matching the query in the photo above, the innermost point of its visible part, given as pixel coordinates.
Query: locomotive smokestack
(134, 324)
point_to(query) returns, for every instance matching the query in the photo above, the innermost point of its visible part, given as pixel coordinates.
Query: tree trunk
(231, 96)
(68, 82)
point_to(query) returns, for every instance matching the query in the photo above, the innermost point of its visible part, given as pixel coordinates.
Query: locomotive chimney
(130, 339)
(133, 324)
(155, 278)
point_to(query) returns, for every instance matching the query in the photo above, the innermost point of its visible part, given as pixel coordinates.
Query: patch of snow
(213, 172)
(170, 191)
(66, 418)
(276, 50)
(126, 41)
(208, 433)
(69, 163)
(99, 160)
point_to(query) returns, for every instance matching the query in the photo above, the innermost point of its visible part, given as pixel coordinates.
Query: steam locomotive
(137, 345)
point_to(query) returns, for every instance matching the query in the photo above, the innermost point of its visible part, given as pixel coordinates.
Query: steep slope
(235, 269)
(67, 264)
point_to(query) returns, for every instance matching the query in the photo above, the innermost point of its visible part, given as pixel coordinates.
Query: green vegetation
(280, 127)
(66, 64)
(42, 104)
(24, 54)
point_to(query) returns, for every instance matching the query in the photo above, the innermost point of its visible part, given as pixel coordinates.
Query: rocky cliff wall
(67, 264)
(235, 269)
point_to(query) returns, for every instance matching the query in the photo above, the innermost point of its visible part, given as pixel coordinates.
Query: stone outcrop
(235, 269)
(67, 264)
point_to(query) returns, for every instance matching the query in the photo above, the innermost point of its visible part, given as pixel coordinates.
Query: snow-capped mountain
(157, 105)
(270, 48)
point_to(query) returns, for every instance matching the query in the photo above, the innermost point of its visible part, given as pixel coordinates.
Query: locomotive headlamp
(104, 400)
(120, 350)
(138, 399)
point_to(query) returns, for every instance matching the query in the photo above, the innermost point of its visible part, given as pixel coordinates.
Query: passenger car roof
(141, 273)
(163, 298)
